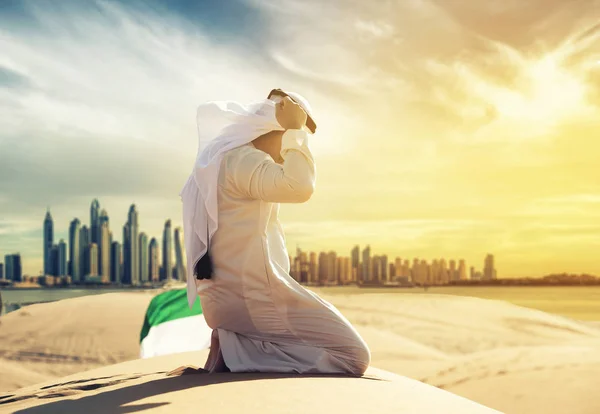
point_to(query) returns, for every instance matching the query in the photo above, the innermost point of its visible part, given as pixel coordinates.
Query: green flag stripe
(168, 306)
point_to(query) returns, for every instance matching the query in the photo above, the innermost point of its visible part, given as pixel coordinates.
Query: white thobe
(265, 320)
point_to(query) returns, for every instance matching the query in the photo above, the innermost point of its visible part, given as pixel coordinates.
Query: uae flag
(170, 326)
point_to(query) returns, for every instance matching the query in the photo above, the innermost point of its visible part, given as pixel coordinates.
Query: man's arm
(257, 176)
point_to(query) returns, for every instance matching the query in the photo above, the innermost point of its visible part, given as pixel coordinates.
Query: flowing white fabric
(222, 126)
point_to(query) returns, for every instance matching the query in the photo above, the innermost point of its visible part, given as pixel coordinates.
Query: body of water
(577, 302)
(13, 299)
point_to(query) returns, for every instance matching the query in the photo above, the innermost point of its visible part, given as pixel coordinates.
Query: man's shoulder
(245, 153)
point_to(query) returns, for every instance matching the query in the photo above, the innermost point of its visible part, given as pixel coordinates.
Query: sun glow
(549, 94)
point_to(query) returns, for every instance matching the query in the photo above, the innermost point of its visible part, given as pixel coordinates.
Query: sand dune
(510, 358)
(145, 386)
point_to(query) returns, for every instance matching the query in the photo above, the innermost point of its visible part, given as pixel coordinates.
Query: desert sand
(509, 358)
(147, 387)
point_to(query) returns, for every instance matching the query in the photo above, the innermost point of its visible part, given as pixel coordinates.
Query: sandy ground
(513, 359)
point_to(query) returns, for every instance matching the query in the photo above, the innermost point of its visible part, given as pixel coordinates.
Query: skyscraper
(2, 272)
(355, 254)
(154, 263)
(144, 262)
(62, 258)
(93, 259)
(126, 274)
(312, 272)
(54, 260)
(12, 263)
(95, 222)
(48, 241)
(462, 270)
(104, 246)
(179, 255)
(323, 268)
(115, 262)
(84, 244)
(452, 272)
(74, 251)
(132, 252)
(367, 271)
(17, 275)
(489, 272)
(167, 252)
(8, 265)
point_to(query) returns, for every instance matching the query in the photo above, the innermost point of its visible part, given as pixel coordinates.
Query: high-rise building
(84, 244)
(179, 265)
(48, 241)
(443, 276)
(472, 272)
(93, 259)
(12, 263)
(2, 273)
(167, 251)
(144, 262)
(312, 268)
(489, 272)
(323, 268)
(452, 271)
(54, 259)
(62, 258)
(376, 274)
(367, 268)
(416, 272)
(154, 263)
(9, 266)
(104, 246)
(406, 271)
(332, 270)
(398, 268)
(384, 267)
(95, 222)
(355, 254)
(125, 274)
(462, 270)
(131, 249)
(74, 251)
(115, 262)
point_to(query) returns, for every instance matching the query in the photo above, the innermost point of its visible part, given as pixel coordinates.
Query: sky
(445, 129)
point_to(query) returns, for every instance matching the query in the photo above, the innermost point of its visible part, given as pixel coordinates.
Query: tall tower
(115, 262)
(167, 252)
(62, 258)
(367, 272)
(355, 254)
(154, 263)
(133, 254)
(48, 241)
(93, 259)
(126, 274)
(144, 263)
(104, 247)
(489, 272)
(462, 270)
(179, 255)
(95, 222)
(74, 251)
(84, 245)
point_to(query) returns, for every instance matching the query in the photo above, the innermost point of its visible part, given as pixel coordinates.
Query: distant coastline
(81, 287)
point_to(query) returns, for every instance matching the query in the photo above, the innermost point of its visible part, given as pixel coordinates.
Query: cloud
(427, 110)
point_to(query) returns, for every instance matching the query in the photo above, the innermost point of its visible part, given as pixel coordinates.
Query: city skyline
(92, 256)
(447, 139)
(92, 253)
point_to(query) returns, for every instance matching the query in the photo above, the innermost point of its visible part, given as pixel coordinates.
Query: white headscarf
(222, 126)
